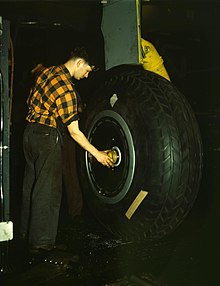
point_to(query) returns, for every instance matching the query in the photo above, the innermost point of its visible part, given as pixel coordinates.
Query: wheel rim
(109, 131)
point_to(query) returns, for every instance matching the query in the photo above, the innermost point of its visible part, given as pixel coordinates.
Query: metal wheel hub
(115, 155)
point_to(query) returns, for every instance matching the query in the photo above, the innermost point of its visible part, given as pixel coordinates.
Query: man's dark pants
(42, 186)
(70, 177)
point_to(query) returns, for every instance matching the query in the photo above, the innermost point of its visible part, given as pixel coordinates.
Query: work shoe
(47, 248)
(62, 258)
(56, 254)
(37, 256)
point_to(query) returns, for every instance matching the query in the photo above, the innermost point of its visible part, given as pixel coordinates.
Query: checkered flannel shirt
(53, 96)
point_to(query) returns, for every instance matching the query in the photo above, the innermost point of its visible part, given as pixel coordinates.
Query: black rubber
(161, 153)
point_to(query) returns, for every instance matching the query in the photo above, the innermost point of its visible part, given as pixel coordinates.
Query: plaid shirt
(53, 97)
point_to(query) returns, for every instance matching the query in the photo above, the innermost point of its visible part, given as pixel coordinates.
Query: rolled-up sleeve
(67, 107)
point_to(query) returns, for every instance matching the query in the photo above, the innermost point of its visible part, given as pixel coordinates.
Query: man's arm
(80, 138)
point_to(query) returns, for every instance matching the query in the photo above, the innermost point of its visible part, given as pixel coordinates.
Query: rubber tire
(167, 149)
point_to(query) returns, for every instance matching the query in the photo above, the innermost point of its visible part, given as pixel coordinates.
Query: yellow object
(151, 60)
(113, 155)
(135, 204)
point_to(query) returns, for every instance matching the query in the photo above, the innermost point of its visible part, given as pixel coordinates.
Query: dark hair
(80, 52)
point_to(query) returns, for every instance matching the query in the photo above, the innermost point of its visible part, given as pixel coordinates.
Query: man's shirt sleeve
(65, 99)
(67, 107)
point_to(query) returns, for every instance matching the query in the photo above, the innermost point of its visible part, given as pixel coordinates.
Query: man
(71, 183)
(52, 105)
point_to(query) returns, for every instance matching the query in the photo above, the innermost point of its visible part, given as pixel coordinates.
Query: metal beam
(121, 32)
(5, 122)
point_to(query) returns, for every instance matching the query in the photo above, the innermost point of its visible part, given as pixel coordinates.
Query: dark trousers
(70, 177)
(42, 185)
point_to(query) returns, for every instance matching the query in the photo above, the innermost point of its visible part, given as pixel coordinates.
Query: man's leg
(70, 178)
(46, 192)
(28, 182)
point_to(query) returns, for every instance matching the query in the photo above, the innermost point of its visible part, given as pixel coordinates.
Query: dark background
(187, 36)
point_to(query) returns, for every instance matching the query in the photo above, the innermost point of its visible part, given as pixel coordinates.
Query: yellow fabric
(151, 60)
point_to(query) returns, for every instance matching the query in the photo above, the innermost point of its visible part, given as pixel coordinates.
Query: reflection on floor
(189, 256)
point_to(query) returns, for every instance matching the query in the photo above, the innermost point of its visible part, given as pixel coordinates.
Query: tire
(159, 155)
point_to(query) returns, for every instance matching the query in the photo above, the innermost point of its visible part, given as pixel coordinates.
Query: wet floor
(189, 256)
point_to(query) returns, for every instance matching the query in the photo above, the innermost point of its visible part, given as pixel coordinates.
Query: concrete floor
(189, 256)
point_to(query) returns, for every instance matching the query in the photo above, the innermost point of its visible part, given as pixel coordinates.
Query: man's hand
(104, 159)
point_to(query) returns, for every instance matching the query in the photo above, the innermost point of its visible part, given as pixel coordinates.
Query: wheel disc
(110, 132)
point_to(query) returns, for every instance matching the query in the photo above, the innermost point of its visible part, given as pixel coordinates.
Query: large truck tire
(154, 139)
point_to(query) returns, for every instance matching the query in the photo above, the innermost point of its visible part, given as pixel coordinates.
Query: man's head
(79, 64)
